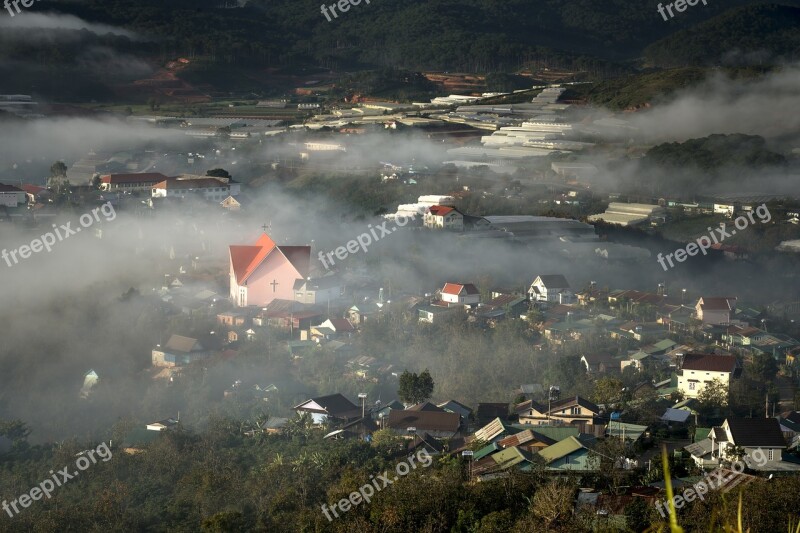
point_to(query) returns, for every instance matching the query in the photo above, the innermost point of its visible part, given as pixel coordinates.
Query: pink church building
(264, 272)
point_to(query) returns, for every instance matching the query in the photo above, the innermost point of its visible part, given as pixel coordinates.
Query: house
(179, 351)
(89, 381)
(487, 411)
(473, 223)
(748, 435)
(699, 369)
(358, 314)
(209, 188)
(131, 182)
(527, 440)
(426, 406)
(425, 442)
(138, 439)
(636, 360)
(790, 426)
(504, 305)
(234, 319)
(569, 454)
(433, 314)
(495, 430)
(231, 204)
(358, 428)
(575, 411)
(552, 288)
(318, 290)
(288, 315)
(440, 425)
(443, 217)
(679, 416)
(332, 406)
(501, 461)
(463, 294)
(599, 363)
(36, 194)
(383, 410)
(638, 331)
(11, 196)
(653, 354)
(164, 425)
(452, 406)
(263, 272)
(715, 310)
(332, 328)
(275, 425)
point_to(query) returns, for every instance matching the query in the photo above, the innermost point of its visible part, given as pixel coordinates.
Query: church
(264, 271)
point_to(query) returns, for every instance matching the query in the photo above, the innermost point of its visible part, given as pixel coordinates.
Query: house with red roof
(35, 193)
(460, 293)
(443, 217)
(717, 310)
(264, 271)
(698, 370)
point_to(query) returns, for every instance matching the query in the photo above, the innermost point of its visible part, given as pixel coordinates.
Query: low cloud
(52, 21)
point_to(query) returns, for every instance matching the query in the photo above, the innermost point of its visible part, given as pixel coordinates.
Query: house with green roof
(499, 462)
(567, 455)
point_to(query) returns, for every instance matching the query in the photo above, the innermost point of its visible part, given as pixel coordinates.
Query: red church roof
(246, 258)
(440, 210)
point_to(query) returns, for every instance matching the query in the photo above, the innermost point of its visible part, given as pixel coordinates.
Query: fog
(62, 314)
(39, 27)
(724, 105)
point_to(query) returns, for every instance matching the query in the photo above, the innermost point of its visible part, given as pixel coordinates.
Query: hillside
(760, 34)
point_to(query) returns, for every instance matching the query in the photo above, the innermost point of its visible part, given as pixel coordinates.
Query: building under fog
(624, 214)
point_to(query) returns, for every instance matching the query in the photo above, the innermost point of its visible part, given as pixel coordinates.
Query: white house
(210, 188)
(333, 406)
(699, 369)
(179, 351)
(11, 196)
(143, 181)
(760, 439)
(551, 288)
(89, 381)
(456, 293)
(163, 425)
(716, 310)
(318, 290)
(444, 217)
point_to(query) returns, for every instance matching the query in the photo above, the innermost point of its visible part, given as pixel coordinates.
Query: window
(576, 410)
(692, 385)
(770, 454)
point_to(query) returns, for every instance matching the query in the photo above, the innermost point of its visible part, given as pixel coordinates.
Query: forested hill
(475, 35)
(751, 34)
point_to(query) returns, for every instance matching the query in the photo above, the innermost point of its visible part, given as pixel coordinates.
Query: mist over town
(402, 267)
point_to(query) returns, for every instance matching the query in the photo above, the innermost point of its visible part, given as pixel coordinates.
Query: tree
(225, 522)
(218, 173)
(764, 367)
(553, 501)
(607, 390)
(415, 388)
(714, 395)
(58, 170)
(96, 182)
(15, 430)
